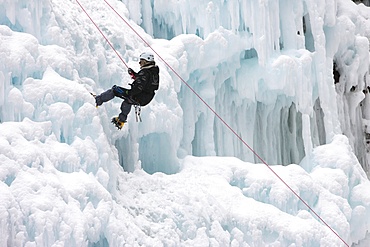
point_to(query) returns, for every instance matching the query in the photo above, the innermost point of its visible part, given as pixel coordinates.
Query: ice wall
(268, 72)
(352, 71)
(68, 44)
(266, 67)
(278, 85)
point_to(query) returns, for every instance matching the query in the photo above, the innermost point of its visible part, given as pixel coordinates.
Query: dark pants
(125, 106)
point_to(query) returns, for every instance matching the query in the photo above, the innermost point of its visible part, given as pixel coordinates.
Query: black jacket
(145, 83)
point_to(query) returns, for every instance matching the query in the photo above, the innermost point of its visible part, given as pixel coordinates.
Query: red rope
(216, 114)
(110, 44)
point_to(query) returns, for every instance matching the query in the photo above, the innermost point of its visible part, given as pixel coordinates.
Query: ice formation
(290, 77)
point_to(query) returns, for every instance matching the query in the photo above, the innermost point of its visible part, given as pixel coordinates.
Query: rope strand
(110, 44)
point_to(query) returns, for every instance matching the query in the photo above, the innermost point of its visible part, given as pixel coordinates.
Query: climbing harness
(119, 92)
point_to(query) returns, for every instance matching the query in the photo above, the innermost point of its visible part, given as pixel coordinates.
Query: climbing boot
(119, 124)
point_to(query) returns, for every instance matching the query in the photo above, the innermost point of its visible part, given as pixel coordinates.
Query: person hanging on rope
(142, 91)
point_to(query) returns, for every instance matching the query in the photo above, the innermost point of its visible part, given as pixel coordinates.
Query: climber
(142, 91)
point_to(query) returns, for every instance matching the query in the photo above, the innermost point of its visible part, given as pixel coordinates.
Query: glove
(132, 73)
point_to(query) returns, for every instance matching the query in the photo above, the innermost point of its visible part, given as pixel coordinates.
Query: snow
(181, 178)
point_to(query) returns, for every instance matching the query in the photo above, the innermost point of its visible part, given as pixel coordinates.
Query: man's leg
(104, 97)
(125, 110)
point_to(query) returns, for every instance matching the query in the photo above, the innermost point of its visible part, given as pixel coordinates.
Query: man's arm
(138, 85)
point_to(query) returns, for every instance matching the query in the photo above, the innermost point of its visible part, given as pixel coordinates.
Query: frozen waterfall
(291, 78)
